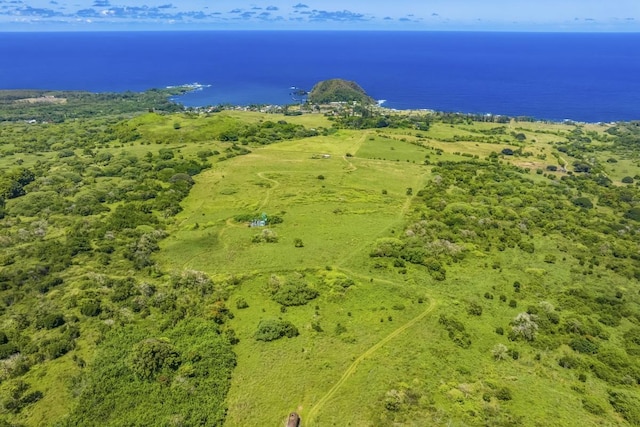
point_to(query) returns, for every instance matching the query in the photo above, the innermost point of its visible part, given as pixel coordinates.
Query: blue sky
(450, 15)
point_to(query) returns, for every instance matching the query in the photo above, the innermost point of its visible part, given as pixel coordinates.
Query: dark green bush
(59, 347)
(7, 350)
(294, 293)
(583, 202)
(270, 330)
(50, 321)
(474, 309)
(456, 330)
(151, 356)
(504, 394)
(90, 308)
(634, 214)
(584, 345)
(626, 405)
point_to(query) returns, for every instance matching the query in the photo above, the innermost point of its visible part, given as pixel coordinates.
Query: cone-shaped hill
(338, 90)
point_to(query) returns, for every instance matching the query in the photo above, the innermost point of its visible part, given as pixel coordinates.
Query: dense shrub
(584, 345)
(634, 214)
(456, 330)
(59, 347)
(626, 405)
(50, 321)
(504, 394)
(90, 307)
(270, 330)
(583, 202)
(151, 356)
(627, 180)
(474, 309)
(7, 350)
(294, 293)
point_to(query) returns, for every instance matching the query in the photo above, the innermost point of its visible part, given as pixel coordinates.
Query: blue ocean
(579, 76)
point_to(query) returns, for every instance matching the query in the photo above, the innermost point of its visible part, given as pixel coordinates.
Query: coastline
(173, 93)
(280, 108)
(380, 105)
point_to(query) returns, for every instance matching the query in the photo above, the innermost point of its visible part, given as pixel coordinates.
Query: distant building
(260, 222)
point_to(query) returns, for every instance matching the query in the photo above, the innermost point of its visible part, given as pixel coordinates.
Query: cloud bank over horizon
(489, 15)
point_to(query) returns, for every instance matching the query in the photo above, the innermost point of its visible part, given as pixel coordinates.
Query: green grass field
(393, 344)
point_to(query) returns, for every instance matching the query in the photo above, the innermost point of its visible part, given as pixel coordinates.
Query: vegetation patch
(270, 330)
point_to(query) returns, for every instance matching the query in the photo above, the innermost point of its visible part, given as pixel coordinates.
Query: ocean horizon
(590, 77)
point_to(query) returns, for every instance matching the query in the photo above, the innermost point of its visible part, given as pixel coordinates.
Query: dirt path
(352, 368)
(354, 149)
(267, 197)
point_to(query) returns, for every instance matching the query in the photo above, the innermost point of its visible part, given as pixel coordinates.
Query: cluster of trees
(80, 224)
(364, 117)
(266, 132)
(501, 208)
(180, 377)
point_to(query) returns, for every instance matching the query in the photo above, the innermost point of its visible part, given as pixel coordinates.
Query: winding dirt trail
(267, 197)
(352, 368)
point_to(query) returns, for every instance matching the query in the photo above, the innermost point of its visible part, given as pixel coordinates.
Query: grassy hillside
(412, 269)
